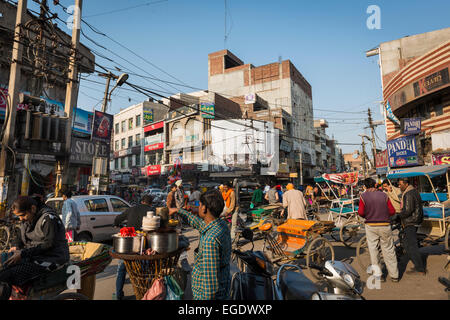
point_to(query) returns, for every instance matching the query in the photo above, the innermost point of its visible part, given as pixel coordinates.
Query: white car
(97, 215)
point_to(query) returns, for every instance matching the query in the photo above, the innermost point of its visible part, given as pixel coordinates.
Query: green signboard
(148, 116)
(209, 108)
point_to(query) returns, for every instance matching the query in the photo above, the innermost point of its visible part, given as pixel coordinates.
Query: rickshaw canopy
(346, 178)
(430, 171)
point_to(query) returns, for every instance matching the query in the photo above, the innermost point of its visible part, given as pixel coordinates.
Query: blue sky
(326, 40)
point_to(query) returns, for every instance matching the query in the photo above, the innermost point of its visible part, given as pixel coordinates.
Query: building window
(130, 161)
(130, 141)
(138, 139)
(122, 163)
(138, 120)
(177, 134)
(116, 163)
(117, 128)
(138, 160)
(123, 126)
(123, 143)
(130, 123)
(116, 145)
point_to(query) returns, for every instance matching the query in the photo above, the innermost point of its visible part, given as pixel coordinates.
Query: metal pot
(127, 245)
(163, 242)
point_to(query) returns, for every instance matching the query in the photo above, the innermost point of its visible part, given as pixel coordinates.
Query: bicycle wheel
(319, 251)
(4, 238)
(362, 254)
(71, 296)
(349, 233)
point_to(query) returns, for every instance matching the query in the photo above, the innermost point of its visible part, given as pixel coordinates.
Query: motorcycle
(255, 280)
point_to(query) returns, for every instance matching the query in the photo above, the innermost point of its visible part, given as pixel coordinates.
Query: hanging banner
(347, 178)
(402, 152)
(382, 162)
(102, 128)
(390, 115)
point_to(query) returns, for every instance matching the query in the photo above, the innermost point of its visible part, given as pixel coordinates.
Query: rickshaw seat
(435, 213)
(344, 209)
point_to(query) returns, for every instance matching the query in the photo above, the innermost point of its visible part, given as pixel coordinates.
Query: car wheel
(84, 237)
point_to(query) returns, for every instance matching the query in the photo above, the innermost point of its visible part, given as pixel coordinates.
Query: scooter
(255, 280)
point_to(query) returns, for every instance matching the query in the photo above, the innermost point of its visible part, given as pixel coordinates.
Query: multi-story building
(280, 85)
(353, 162)
(416, 86)
(128, 140)
(328, 155)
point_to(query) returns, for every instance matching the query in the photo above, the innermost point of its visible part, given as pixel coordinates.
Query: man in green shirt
(257, 197)
(211, 278)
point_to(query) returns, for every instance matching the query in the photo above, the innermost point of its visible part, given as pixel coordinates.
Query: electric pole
(71, 98)
(372, 129)
(10, 115)
(364, 156)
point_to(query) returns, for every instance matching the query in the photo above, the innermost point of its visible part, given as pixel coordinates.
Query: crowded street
(237, 153)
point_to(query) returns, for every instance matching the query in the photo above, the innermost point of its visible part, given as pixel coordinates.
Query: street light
(120, 81)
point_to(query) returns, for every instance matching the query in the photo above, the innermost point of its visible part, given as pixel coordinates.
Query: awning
(431, 171)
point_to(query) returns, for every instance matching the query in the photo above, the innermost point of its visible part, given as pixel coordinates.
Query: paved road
(410, 287)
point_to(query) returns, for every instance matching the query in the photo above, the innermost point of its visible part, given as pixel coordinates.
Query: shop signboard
(411, 126)
(390, 115)
(156, 138)
(441, 158)
(154, 170)
(83, 151)
(103, 125)
(402, 152)
(285, 146)
(209, 108)
(250, 98)
(431, 82)
(153, 147)
(154, 126)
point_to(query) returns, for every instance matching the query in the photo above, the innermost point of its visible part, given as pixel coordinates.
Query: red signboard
(153, 170)
(441, 159)
(154, 126)
(154, 147)
(382, 159)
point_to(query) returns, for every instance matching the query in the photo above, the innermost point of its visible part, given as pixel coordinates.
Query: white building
(128, 138)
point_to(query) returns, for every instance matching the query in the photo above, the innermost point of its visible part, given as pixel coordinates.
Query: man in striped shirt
(211, 272)
(376, 208)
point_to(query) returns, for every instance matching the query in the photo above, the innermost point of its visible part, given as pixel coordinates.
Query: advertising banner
(411, 126)
(381, 159)
(103, 125)
(154, 126)
(390, 115)
(209, 108)
(154, 170)
(347, 178)
(82, 121)
(402, 152)
(153, 147)
(441, 159)
(83, 151)
(148, 116)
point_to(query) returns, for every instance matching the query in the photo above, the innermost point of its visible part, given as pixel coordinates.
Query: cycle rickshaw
(435, 227)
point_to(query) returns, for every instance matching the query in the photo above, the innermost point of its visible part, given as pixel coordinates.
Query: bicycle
(9, 230)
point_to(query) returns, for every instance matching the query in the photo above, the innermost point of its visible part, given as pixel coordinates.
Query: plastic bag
(157, 291)
(174, 291)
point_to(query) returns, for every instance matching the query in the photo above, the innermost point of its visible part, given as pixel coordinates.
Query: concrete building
(52, 89)
(128, 140)
(416, 85)
(270, 87)
(353, 161)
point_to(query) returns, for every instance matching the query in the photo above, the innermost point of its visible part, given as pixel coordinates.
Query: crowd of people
(43, 243)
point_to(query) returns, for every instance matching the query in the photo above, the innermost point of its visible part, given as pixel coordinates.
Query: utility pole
(108, 77)
(71, 99)
(364, 156)
(372, 129)
(10, 115)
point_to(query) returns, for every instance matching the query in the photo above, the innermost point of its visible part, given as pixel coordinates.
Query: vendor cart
(143, 270)
(297, 239)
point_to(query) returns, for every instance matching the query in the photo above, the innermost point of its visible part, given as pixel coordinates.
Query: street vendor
(211, 272)
(42, 246)
(257, 197)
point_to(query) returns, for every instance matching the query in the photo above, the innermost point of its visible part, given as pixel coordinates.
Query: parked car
(97, 215)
